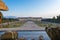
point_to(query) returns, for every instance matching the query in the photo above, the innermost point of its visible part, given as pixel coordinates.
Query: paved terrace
(29, 25)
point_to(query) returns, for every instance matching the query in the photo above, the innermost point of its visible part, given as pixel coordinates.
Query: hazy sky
(32, 8)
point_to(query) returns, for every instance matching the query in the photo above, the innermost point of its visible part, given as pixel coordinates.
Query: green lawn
(13, 25)
(41, 24)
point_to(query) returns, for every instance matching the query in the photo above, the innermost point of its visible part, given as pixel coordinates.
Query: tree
(54, 18)
(58, 19)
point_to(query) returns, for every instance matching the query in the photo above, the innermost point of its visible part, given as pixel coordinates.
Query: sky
(32, 8)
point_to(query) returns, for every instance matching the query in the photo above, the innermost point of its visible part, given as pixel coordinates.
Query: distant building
(30, 18)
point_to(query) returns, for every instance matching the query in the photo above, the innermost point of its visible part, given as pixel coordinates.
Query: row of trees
(54, 19)
(9, 19)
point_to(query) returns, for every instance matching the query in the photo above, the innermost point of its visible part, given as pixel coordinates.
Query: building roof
(3, 7)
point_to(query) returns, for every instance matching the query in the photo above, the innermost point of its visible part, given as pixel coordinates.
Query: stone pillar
(0, 17)
(0, 20)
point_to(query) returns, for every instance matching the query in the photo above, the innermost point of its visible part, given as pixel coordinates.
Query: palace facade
(30, 18)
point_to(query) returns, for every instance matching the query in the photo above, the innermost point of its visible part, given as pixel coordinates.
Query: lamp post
(3, 7)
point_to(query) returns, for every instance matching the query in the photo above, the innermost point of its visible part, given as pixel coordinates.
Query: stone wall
(9, 36)
(54, 33)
